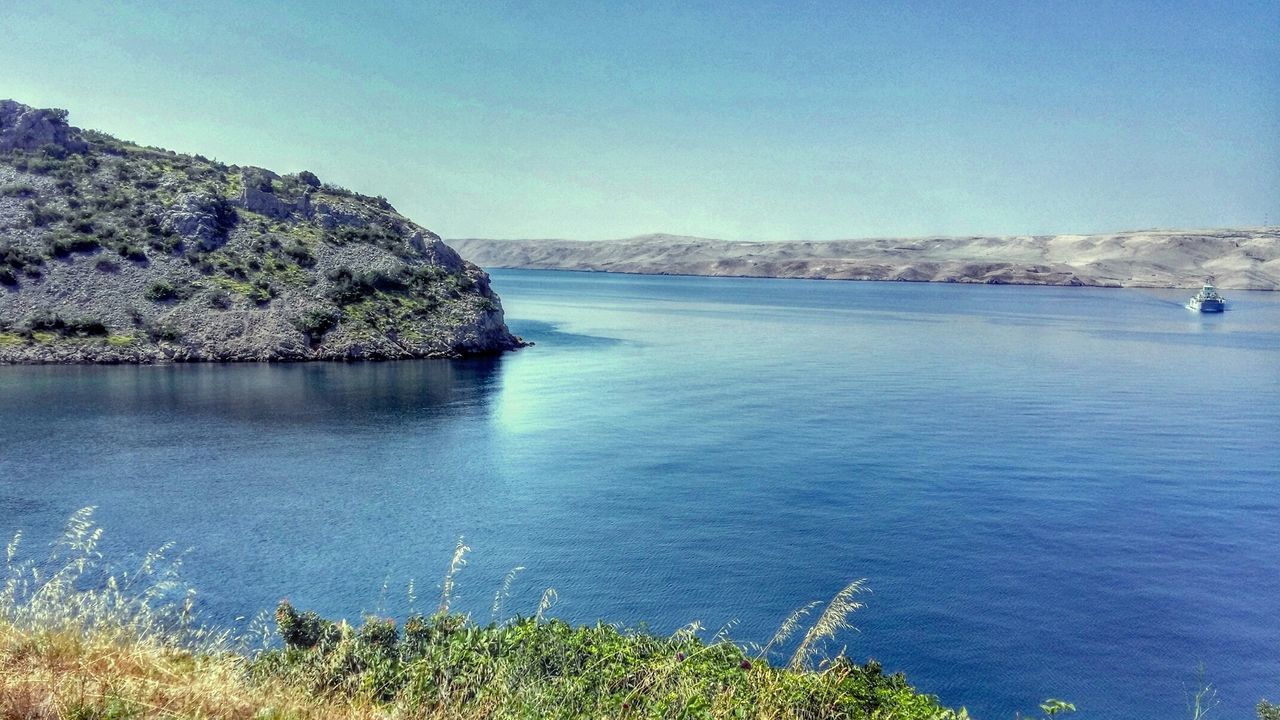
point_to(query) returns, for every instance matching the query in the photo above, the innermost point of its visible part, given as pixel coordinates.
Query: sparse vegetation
(315, 322)
(300, 254)
(62, 246)
(18, 190)
(79, 639)
(249, 232)
(20, 260)
(161, 291)
(46, 326)
(349, 286)
(161, 331)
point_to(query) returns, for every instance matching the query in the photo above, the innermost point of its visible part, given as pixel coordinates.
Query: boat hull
(1208, 306)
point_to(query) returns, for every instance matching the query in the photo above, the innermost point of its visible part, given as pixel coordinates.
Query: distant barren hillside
(1247, 258)
(112, 252)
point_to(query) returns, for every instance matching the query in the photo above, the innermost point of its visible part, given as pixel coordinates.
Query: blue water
(1053, 492)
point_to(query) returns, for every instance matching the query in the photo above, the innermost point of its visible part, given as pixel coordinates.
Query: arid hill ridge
(114, 252)
(1237, 258)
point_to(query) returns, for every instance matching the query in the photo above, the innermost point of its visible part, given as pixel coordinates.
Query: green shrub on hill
(315, 322)
(47, 323)
(161, 291)
(15, 261)
(531, 667)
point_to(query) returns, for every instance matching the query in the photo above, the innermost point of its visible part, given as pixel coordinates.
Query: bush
(40, 215)
(225, 216)
(8, 276)
(46, 321)
(301, 254)
(42, 165)
(51, 322)
(18, 191)
(551, 668)
(19, 259)
(106, 265)
(351, 287)
(261, 290)
(54, 151)
(309, 178)
(166, 244)
(161, 291)
(85, 327)
(315, 322)
(160, 331)
(62, 246)
(130, 251)
(220, 300)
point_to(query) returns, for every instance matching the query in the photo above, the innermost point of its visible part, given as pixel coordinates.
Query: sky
(745, 120)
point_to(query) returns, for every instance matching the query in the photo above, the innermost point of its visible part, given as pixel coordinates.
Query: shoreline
(160, 361)
(866, 280)
(1236, 258)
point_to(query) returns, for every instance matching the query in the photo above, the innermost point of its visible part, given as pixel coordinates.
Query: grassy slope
(79, 642)
(527, 668)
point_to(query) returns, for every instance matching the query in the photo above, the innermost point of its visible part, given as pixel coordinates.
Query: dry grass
(66, 675)
(832, 620)
(82, 641)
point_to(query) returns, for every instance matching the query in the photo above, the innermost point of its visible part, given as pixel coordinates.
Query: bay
(1052, 492)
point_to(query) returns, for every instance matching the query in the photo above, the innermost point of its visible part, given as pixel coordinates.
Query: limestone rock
(200, 219)
(26, 128)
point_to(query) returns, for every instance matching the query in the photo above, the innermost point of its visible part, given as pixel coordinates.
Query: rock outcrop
(28, 128)
(112, 252)
(200, 218)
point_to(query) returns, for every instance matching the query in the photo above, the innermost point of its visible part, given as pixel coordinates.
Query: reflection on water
(549, 333)
(321, 393)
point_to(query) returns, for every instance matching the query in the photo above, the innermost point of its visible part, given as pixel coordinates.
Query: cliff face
(112, 252)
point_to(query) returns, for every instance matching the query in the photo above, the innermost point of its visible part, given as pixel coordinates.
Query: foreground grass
(531, 669)
(80, 642)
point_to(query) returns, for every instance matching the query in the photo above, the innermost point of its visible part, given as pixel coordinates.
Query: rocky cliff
(112, 252)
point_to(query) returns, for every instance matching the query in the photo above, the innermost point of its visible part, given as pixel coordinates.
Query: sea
(1051, 492)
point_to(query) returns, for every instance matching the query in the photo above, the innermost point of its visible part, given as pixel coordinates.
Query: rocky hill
(1238, 258)
(112, 252)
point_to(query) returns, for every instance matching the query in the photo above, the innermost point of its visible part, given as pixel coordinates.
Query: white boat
(1207, 300)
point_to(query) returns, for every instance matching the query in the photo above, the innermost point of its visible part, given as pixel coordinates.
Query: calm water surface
(1060, 492)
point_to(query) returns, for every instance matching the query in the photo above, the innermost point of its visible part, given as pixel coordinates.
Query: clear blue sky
(742, 120)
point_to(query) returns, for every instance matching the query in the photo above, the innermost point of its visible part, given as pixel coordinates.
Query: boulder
(432, 248)
(198, 218)
(260, 195)
(26, 128)
(332, 216)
